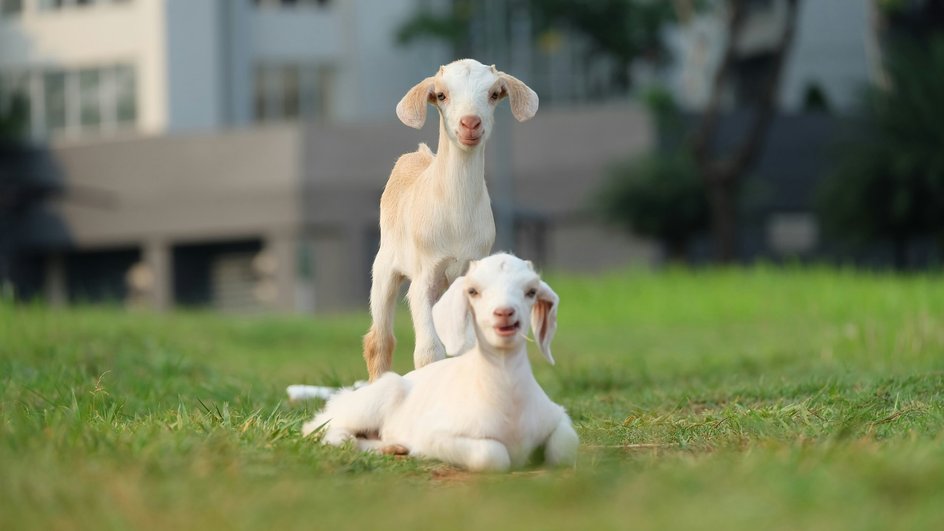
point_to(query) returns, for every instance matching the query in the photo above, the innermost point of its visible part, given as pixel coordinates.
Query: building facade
(232, 153)
(285, 217)
(88, 69)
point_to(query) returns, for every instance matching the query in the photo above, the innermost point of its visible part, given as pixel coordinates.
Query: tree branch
(701, 139)
(754, 140)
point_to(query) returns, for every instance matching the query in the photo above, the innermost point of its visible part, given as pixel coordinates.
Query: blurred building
(285, 216)
(231, 153)
(91, 68)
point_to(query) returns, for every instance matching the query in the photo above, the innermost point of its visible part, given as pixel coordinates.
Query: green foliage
(621, 29)
(815, 99)
(14, 117)
(658, 195)
(624, 29)
(890, 180)
(736, 399)
(451, 28)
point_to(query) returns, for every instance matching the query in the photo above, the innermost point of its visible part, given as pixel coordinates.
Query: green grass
(735, 399)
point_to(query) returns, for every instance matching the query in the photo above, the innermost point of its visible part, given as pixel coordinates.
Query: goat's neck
(507, 369)
(462, 173)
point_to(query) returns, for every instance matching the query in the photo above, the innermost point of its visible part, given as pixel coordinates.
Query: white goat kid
(482, 410)
(435, 213)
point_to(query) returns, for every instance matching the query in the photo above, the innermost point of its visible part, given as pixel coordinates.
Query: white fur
(435, 215)
(482, 410)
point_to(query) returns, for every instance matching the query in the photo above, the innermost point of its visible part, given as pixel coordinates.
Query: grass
(733, 399)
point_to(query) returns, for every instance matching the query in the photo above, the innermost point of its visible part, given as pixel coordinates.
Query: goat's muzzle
(470, 130)
(508, 328)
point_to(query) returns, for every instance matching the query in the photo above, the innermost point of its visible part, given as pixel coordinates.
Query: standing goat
(435, 213)
(482, 410)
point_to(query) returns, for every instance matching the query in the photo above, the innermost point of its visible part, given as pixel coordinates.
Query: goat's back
(405, 172)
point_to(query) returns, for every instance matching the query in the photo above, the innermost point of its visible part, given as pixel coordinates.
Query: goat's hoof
(395, 449)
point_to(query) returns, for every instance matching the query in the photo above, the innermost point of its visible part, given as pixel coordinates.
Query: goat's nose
(504, 312)
(470, 122)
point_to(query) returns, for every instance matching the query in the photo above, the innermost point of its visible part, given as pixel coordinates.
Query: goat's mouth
(508, 330)
(470, 141)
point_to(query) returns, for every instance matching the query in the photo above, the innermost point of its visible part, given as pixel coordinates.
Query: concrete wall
(297, 34)
(195, 65)
(182, 187)
(377, 71)
(314, 192)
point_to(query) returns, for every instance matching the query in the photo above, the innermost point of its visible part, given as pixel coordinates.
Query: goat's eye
(441, 96)
(473, 292)
(494, 96)
(532, 293)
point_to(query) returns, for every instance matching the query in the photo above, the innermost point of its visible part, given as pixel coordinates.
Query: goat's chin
(469, 143)
(505, 345)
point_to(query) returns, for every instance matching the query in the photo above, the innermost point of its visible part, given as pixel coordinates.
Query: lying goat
(435, 213)
(482, 410)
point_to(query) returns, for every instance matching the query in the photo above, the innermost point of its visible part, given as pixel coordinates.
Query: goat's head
(497, 294)
(466, 93)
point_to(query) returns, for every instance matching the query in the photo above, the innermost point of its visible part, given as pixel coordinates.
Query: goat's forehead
(467, 73)
(502, 269)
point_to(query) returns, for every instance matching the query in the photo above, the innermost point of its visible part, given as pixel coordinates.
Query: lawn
(762, 398)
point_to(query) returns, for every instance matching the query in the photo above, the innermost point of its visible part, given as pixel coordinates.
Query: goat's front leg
(561, 446)
(424, 291)
(478, 455)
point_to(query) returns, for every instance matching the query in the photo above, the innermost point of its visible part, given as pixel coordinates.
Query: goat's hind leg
(379, 341)
(478, 455)
(356, 412)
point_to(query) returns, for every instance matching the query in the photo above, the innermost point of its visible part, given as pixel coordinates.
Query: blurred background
(231, 154)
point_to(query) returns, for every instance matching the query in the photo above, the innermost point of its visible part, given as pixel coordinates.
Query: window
(291, 91)
(10, 7)
(54, 92)
(51, 5)
(14, 104)
(125, 97)
(47, 5)
(92, 99)
(14, 86)
(291, 3)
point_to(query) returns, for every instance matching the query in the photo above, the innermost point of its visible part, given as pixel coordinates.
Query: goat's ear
(451, 317)
(412, 108)
(523, 100)
(544, 319)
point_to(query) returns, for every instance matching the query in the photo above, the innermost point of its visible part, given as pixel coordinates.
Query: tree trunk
(900, 249)
(722, 200)
(721, 173)
(677, 252)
